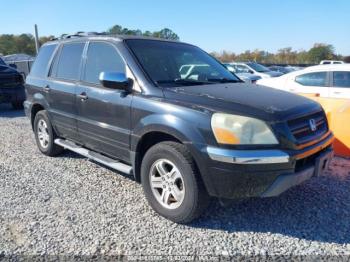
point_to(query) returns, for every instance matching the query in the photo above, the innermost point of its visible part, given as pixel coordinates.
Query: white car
(322, 80)
(256, 69)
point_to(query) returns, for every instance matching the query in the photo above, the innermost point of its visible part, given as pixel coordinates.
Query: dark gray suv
(122, 101)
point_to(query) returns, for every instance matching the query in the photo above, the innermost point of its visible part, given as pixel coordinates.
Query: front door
(103, 114)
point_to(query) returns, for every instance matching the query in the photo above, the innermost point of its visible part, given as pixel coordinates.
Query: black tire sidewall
(162, 151)
(43, 115)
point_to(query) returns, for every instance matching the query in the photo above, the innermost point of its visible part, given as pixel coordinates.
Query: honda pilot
(123, 101)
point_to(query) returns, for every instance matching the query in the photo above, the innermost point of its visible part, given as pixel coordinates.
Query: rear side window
(41, 62)
(101, 57)
(312, 79)
(341, 79)
(69, 61)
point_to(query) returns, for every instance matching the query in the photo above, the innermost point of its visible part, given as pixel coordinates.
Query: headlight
(241, 130)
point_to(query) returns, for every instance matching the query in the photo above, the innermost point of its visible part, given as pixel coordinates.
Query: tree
(347, 59)
(166, 33)
(320, 52)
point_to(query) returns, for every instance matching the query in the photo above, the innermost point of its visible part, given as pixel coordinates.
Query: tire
(17, 105)
(192, 198)
(44, 130)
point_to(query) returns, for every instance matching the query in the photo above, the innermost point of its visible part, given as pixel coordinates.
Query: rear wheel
(172, 184)
(45, 135)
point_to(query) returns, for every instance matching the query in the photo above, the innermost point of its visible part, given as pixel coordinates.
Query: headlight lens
(241, 130)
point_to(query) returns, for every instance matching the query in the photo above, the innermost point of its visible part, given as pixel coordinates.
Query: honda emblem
(313, 125)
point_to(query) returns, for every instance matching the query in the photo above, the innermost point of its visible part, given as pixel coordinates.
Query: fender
(166, 123)
(182, 130)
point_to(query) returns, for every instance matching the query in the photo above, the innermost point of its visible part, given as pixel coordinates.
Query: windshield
(2, 62)
(258, 67)
(171, 64)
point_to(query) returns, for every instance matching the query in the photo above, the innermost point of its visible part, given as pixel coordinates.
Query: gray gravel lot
(68, 205)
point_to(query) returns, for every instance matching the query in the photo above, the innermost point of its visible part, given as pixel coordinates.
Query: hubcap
(167, 184)
(43, 133)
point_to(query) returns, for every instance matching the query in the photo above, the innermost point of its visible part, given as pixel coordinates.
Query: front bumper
(12, 94)
(262, 173)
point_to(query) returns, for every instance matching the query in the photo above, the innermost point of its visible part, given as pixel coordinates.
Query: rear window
(39, 68)
(69, 61)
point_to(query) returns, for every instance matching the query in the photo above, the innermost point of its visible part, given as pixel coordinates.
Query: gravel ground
(70, 206)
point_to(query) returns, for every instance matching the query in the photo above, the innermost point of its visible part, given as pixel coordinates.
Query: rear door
(340, 87)
(103, 114)
(64, 75)
(311, 83)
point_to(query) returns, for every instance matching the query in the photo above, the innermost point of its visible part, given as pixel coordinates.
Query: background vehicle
(330, 86)
(11, 86)
(281, 69)
(321, 80)
(256, 69)
(331, 62)
(246, 77)
(124, 102)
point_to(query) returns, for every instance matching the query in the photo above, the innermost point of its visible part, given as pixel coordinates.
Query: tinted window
(41, 62)
(162, 61)
(102, 57)
(312, 79)
(341, 79)
(2, 62)
(69, 61)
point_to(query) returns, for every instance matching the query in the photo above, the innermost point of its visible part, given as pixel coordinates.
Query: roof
(329, 67)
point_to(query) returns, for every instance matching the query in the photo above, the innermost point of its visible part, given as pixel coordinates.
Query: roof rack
(77, 34)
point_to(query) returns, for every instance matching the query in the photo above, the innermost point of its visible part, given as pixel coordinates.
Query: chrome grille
(302, 128)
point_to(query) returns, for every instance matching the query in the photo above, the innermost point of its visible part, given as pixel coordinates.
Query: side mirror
(13, 66)
(251, 72)
(115, 80)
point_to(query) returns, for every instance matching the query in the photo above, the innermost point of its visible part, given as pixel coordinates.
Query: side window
(41, 62)
(101, 57)
(341, 79)
(69, 61)
(312, 79)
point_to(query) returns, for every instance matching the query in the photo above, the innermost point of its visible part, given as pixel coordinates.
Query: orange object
(224, 136)
(338, 115)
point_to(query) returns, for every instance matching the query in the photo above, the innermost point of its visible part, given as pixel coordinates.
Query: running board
(112, 163)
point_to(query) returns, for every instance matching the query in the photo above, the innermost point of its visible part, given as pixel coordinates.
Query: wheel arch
(160, 131)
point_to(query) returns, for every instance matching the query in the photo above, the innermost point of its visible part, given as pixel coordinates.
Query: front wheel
(172, 184)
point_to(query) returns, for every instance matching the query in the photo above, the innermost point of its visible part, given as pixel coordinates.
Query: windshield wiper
(225, 80)
(183, 82)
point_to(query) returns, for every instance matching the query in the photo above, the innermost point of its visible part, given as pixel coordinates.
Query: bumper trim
(248, 156)
(284, 182)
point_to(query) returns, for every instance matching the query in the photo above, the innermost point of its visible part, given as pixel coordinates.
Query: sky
(214, 25)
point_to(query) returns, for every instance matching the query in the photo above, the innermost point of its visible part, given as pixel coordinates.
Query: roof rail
(77, 34)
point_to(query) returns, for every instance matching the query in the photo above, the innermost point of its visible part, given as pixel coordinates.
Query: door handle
(336, 92)
(46, 89)
(83, 96)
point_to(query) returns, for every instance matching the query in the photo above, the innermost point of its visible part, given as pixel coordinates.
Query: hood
(7, 70)
(273, 73)
(244, 99)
